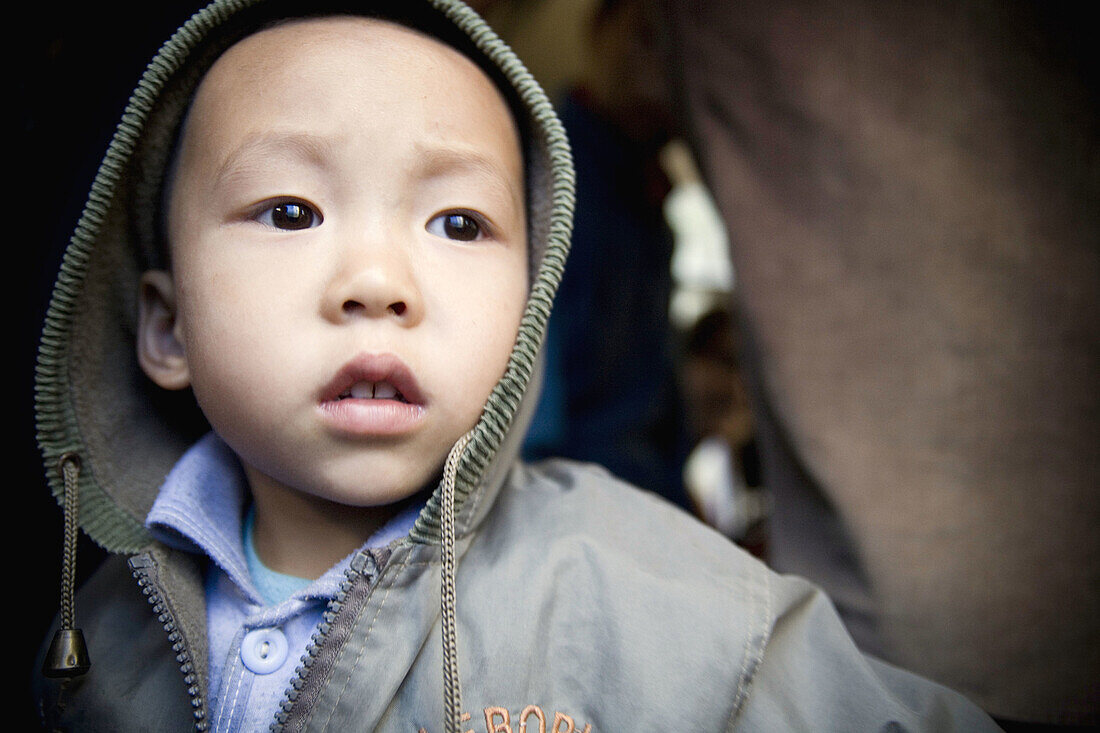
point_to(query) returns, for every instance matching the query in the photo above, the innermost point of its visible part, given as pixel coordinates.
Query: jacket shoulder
(585, 503)
(681, 626)
(657, 617)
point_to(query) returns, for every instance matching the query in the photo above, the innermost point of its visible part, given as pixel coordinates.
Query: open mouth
(373, 377)
(373, 396)
(364, 390)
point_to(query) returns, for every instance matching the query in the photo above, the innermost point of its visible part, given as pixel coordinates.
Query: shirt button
(264, 650)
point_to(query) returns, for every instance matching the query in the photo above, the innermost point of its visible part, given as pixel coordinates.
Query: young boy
(340, 236)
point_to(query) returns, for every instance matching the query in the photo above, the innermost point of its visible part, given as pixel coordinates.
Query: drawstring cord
(452, 687)
(68, 654)
(70, 471)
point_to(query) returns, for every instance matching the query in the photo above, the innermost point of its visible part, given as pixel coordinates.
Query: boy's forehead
(269, 79)
(350, 51)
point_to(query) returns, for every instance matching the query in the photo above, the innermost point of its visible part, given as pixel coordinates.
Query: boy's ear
(160, 347)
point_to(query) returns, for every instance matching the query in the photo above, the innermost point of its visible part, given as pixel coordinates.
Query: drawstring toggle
(68, 654)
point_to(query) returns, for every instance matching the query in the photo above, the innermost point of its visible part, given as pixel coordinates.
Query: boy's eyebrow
(431, 161)
(439, 161)
(309, 148)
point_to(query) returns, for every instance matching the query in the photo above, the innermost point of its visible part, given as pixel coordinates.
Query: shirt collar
(201, 506)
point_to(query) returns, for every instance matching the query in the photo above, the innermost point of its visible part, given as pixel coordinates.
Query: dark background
(74, 67)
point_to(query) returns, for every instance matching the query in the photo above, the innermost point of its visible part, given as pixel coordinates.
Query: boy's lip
(373, 368)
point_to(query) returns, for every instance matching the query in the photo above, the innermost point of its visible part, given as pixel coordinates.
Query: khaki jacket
(584, 604)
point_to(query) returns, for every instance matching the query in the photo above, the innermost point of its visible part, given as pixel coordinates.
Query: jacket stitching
(363, 645)
(753, 654)
(526, 713)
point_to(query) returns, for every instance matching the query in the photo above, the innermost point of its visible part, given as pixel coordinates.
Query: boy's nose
(375, 284)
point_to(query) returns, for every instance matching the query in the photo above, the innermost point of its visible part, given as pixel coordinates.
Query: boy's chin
(349, 489)
(395, 502)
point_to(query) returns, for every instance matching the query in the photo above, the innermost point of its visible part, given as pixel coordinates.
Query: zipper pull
(368, 562)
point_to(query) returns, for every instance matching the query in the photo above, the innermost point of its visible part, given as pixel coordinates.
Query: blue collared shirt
(255, 645)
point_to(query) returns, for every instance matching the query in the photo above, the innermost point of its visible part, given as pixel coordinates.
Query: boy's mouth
(373, 377)
(364, 390)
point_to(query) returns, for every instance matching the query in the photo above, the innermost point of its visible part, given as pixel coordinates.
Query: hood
(96, 409)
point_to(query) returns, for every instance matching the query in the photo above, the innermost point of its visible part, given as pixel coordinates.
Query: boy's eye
(290, 215)
(457, 226)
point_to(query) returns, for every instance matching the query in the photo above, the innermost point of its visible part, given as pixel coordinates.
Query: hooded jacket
(549, 596)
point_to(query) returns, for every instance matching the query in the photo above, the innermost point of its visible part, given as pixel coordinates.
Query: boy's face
(348, 240)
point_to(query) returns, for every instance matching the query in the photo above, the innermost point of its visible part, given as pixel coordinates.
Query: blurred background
(833, 290)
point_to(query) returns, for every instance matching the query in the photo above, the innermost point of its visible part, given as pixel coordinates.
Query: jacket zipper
(335, 625)
(364, 569)
(144, 570)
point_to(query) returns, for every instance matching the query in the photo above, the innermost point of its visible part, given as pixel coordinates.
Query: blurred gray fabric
(911, 194)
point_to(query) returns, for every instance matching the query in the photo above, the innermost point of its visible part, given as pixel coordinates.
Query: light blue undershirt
(274, 587)
(201, 509)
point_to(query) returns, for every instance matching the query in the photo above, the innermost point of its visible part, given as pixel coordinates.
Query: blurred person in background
(911, 196)
(610, 389)
(722, 472)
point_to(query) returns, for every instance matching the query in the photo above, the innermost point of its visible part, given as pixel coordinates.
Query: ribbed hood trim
(59, 402)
